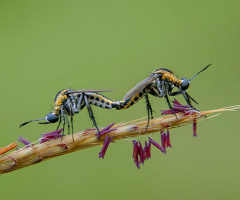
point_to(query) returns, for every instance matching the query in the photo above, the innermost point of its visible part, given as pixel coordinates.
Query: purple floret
(106, 130)
(106, 143)
(51, 136)
(24, 141)
(156, 145)
(178, 107)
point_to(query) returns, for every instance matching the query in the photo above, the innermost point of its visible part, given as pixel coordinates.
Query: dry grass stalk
(36, 153)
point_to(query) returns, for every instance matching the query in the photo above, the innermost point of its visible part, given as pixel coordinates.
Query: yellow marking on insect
(160, 72)
(59, 102)
(125, 107)
(60, 98)
(169, 76)
(178, 82)
(136, 96)
(97, 96)
(109, 101)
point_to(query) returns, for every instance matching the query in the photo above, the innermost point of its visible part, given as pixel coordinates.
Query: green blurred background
(46, 46)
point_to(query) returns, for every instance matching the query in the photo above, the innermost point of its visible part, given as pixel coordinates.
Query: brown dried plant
(37, 152)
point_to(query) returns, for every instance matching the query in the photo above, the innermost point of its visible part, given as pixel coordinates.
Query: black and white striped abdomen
(100, 100)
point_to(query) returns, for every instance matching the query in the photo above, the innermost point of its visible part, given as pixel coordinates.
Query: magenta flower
(106, 143)
(168, 139)
(135, 153)
(106, 130)
(165, 139)
(186, 110)
(178, 107)
(154, 143)
(52, 133)
(195, 128)
(50, 136)
(147, 150)
(24, 141)
(141, 154)
(45, 137)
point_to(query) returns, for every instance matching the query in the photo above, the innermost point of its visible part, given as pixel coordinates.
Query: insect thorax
(59, 100)
(167, 76)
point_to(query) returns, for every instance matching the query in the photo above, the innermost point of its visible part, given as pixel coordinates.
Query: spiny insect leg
(63, 120)
(149, 110)
(166, 97)
(176, 93)
(70, 113)
(90, 112)
(72, 127)
(71, 103)
(187, 99)
(68, 124)
(60, 120)
(186, 96)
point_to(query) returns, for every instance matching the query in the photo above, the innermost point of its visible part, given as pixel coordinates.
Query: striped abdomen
(100, 100)
(124, 104)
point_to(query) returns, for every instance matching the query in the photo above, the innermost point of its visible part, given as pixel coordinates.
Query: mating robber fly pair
(159, 84)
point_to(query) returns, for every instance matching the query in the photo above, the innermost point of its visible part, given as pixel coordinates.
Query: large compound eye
(184, 84)
(52, 118)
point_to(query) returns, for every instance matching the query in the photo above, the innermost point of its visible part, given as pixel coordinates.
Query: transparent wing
(140, 86)
(88, 90)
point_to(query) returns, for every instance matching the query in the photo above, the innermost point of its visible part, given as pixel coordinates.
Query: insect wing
(88, 90)
(140, 86)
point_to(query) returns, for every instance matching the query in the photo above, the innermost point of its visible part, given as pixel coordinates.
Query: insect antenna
(25, 123)
(199, 72)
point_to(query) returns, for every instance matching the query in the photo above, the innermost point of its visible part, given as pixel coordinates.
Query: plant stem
(35, 153)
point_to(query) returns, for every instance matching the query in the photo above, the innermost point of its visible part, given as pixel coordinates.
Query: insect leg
(72, 127)
(60, 120)
(189, 97)
(186, 96)
(79, 102)
(71, 104)
(149, 110)
(63, 120)
(68, 124)
(166, 97)
(90, 112)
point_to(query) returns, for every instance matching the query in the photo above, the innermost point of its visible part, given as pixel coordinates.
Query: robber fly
(68, 102)
(159, 84)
